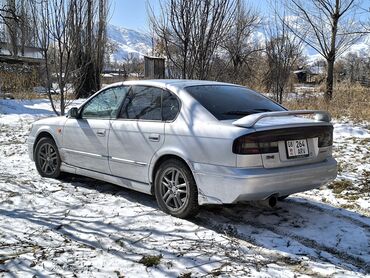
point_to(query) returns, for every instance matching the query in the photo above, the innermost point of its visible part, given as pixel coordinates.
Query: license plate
(297, 148)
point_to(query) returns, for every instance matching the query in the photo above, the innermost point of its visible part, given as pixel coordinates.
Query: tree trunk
(12, 27)
(184, 63)
(329, 80)
(90, 54)
(62, 102)
(332, 53)
(101, 42)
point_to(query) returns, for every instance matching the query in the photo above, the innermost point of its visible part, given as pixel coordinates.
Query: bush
(349, 101)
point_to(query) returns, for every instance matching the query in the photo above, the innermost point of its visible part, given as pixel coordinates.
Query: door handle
(154, 137)
(101, 132)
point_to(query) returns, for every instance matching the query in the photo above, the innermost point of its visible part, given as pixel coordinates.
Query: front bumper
(226, 185)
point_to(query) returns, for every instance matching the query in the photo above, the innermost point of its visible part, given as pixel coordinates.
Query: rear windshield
(231, 102)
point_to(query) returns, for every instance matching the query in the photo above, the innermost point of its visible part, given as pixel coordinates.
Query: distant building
(31, 55)
(306, 76)
(20, 73)
(21, 60)
(154, 67)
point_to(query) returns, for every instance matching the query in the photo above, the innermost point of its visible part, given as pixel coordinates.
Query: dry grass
(349, 101)
(339, 186)
(150, 261)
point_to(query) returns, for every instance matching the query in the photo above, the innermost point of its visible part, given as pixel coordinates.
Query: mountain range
(130, 43)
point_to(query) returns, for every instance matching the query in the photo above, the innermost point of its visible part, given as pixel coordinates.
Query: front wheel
(175, 189)
(47, 158)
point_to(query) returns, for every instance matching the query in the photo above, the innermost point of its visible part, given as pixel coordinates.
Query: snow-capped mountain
(361, 48)
(131, 42)
(128, 42)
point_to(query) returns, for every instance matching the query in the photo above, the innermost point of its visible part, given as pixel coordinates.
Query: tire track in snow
(236, 217)
(336, 212)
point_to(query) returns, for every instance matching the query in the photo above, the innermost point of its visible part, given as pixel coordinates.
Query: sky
(132, 14)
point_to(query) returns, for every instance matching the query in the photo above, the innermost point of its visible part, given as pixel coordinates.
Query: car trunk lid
(283, 139)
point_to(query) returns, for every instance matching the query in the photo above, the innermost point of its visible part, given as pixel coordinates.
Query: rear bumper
(226, 185)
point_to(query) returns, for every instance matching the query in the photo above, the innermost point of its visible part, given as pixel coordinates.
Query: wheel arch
(40, 135)
(162, 158)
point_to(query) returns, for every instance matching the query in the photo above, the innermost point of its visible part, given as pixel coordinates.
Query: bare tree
(331, 26)
(282, 52)
(19, 31)
(89, 28)
(191, 32)
(355, 68)
(133, 65)
(173, 28)
(239, 43)
(72, 34)
(53, 19)
(11, 21)
(39, 19)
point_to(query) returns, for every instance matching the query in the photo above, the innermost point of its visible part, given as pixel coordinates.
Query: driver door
(85, 139)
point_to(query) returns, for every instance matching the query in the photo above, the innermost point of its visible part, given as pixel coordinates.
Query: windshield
(231, 102)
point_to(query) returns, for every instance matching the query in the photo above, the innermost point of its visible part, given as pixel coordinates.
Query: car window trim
(229, 85)
(122, 102)
(238, 86)
(131, 86)
(147, 120)
(80, 110)
(179, 106)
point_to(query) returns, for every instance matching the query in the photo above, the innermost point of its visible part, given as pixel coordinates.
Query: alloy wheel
(48, 159)
(174, 189)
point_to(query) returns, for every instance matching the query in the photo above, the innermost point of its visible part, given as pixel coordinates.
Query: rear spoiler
(251, 120)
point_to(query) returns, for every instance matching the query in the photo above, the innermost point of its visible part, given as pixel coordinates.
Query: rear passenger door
(138, 132)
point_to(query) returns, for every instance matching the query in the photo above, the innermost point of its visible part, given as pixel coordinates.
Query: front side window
(231, 102)
(143, 102)
(106, 104)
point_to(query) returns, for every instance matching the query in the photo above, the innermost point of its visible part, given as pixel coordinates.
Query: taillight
(247, 145)
(266, 141)
(326, 139)
(244, 145)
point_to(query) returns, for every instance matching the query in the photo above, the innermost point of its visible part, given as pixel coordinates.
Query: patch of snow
(350, 130)
(78, 226)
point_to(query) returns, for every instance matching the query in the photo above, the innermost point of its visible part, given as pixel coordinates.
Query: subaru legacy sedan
(188, 143)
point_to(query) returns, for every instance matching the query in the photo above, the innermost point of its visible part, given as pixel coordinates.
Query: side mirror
(73, 113)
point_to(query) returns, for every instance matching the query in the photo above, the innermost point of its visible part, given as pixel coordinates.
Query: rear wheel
(175, 189)
(47, 158)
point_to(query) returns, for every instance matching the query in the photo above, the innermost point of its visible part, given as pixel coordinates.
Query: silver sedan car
(189, 143)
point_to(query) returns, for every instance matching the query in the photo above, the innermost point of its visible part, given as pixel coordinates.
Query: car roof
(178, 83)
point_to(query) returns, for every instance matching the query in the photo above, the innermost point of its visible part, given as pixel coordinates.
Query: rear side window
(170, 106)
(231, 102)
(142, 102)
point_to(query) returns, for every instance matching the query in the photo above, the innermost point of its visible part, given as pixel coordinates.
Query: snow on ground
(79, 227)
(345, 130)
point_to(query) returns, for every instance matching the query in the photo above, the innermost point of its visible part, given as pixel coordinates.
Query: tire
(175, 189)
(47, 158)
(282, 198)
